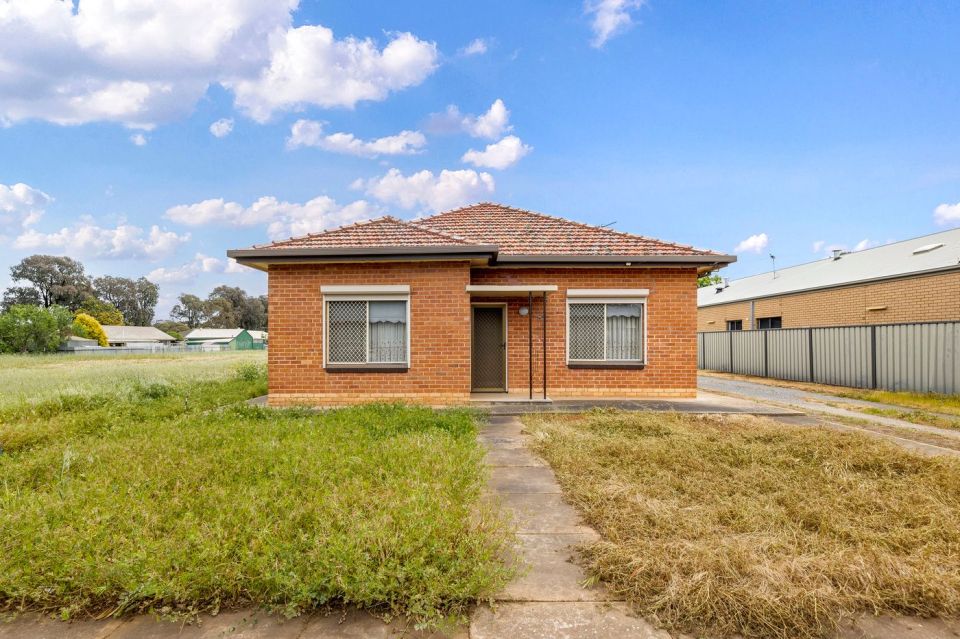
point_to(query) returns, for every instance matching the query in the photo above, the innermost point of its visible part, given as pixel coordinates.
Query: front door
(489, 349)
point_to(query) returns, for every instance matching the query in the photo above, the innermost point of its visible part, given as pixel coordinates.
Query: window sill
(367, 368)
(610, 365)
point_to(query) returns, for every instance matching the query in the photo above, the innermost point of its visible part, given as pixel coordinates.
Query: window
(606, 331)
(734, 325)
(769, 322)
(367, 332)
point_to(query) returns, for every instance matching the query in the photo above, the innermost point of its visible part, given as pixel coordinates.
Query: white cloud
(128, 61)
(141, 63)
(222, 127)
(309, 66)
(310, 133)
(139, 139)
(754, 244)
(491, 125)
(189, 271)
(86, 238)
(947, 214)
(283, 219)
(21, 205)
(447, 190)
(828, 248)
(476, 47)
(500, 155)
(609, 18)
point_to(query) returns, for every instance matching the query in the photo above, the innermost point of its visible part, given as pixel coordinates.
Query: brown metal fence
(923, 356)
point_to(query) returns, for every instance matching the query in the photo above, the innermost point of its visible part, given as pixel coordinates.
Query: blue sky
(750, 127)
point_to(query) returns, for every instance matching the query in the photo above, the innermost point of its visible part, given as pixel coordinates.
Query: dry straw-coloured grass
(723, 525)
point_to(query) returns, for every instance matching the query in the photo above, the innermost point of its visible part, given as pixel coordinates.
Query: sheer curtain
(388, 332)
(624, 332)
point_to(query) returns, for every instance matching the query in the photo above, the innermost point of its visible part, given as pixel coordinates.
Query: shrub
(251, 372)
(25, 328)
(87, 326)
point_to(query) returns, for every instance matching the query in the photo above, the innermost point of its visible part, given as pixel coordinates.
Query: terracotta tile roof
(487, 227)
(519, 232)
(382, 232)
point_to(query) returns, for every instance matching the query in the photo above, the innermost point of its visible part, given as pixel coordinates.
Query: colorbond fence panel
(922, 357)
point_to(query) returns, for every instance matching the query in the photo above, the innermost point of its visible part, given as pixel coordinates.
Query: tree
(191, 310)
(20, 295)
(231, 307)
(221, 313)
(53, 280)
(135, 299)
(146, 294)
(103, 312)
(174, 329)
(87, 326)
(26, 328)
(709, 280)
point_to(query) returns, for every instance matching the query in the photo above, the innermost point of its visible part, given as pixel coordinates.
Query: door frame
(506, 348)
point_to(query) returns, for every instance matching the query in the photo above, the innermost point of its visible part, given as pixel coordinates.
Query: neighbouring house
(136, 336)
(485, 298)
(916, 280)
(234, 339)
(77, 343)
(258, 337)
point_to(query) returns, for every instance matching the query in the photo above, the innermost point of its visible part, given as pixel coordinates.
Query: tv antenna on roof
(603, 226)
(773, 260)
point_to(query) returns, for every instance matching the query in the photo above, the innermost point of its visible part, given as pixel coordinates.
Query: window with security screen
(607, 331)
(366, 332)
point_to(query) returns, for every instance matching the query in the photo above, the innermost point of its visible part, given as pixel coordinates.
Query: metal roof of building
(928, 253)
(213, 333)
(136, 334)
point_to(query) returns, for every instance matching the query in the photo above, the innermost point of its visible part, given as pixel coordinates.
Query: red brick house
(482, 299)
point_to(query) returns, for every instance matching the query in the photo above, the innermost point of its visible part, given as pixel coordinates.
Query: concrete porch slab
(705, 402)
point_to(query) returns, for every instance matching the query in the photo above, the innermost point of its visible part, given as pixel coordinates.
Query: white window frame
(608, 296)
(393, 293)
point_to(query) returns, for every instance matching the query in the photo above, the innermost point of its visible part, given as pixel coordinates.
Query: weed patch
(725, 525)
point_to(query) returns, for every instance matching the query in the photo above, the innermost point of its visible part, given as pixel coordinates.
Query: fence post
(766, 359)
(873, 357)
(810, 345)
(730, 333)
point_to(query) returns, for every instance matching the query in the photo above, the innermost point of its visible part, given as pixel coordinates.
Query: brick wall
(925, 298)
(440, 333)
(671, 335)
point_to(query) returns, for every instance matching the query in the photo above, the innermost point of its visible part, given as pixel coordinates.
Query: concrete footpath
(819, 407)
(549, 599)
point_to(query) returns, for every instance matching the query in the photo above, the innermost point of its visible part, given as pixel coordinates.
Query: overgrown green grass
(173, 497)
(30, 378)
(739, 525)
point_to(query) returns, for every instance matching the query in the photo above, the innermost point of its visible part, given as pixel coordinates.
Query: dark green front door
(489, 350)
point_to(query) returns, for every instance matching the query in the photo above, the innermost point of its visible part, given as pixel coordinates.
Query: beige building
(916, 280)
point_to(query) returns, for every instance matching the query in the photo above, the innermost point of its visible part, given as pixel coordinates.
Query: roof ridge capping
(557, 218)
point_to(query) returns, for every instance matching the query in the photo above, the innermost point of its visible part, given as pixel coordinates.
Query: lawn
(173, 496)
(37, 377)
(721, 525)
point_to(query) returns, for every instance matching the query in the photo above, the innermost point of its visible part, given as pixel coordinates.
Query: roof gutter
(712, 259)
(406, 251)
